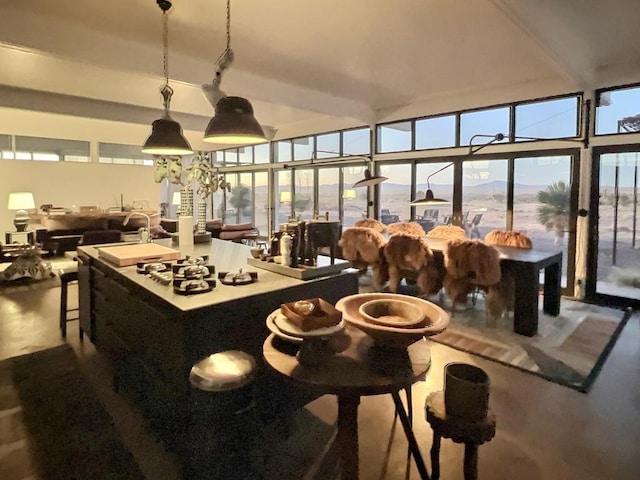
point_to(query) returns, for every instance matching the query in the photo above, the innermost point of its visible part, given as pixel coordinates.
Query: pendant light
(429, 198)
(369, 180)
(166, 134)
(233, 121)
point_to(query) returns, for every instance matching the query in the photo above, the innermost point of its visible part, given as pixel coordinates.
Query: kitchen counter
(153, 336)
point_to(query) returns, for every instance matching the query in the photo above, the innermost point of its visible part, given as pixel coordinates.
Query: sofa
(61, 233)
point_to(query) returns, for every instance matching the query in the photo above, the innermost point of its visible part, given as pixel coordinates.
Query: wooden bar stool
(472, 434)
(67, 275)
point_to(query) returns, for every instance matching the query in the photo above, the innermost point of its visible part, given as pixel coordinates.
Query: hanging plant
(169, 168)
(208, 177)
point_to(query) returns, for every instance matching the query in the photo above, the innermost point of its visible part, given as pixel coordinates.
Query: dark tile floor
(545, 431)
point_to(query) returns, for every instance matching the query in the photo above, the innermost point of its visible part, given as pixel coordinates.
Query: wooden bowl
(435, 321)
(391, 312)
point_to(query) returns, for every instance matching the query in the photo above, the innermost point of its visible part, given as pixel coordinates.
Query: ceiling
(314, 64)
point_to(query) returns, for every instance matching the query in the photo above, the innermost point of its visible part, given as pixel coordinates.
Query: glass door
(614, 242)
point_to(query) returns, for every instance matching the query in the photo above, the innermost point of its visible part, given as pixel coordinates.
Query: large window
(483, 122)
(541, 202)
(618, 111)
(303, 148)
(46, 149)
(548, 119)
(356, 142)
(283, 197)
(261, 202)
(121, 154)
(484, 196)
(395, 193)
(436, 132)
(282, 151)
(304, 192)
(328, 145)
(354, 200)
(394, 137)
(329, 192)
(441, 185)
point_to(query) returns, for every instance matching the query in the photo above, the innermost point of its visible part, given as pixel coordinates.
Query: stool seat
(471, 434)
(67, 275)
(223, 371)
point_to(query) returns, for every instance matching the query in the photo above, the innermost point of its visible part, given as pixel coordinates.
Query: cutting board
(125, 255)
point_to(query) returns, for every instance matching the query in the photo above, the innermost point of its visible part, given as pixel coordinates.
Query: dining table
(525, 266)
(362, 369)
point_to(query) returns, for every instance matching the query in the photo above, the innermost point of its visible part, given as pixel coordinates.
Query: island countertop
(225, 256)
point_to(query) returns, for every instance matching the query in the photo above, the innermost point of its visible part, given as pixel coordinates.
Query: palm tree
(241, 201)
(553, 211)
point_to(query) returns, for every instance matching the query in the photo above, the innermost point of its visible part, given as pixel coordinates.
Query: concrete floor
(544, 431)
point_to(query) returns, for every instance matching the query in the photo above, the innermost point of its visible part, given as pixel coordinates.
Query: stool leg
(63, 309)
(470, 461)
(435, 456)
(81, 333)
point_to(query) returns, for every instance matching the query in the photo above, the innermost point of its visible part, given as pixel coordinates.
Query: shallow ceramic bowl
(391, 312)
(435, 321)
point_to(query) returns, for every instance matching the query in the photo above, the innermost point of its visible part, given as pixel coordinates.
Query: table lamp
(21, 202)
(176, 200)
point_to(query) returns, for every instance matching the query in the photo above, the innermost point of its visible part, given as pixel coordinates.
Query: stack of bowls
(393, 320)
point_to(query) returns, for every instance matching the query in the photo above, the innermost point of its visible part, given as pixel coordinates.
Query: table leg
(470, 461)
(413, 444)
(435, 456)
(525, 314)
(552, 289)
(348, 436)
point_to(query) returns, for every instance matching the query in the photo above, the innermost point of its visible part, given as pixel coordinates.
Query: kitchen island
(153, 336)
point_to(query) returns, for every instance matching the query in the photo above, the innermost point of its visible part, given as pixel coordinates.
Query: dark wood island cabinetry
(153, 336)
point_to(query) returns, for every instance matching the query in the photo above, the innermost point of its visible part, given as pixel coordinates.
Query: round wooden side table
(472, 434)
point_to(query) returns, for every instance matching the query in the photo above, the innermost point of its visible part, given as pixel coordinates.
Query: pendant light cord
(227, 51)
(165, 90)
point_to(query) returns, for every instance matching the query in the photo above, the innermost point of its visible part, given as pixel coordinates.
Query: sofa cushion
(75, 222)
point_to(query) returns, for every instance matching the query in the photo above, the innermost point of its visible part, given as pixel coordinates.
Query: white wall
(66, 184)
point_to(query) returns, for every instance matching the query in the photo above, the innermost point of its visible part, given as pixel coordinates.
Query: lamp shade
(429, 199)
(285, 197)
(166, 139)
(175, 199)
(369, 180)
(234, 123)
(349, 194)
(21, 201)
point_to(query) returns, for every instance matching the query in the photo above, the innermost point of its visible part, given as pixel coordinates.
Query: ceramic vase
(186, 201)
(466, 392)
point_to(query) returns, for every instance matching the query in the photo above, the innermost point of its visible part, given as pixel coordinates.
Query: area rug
(52, 425)
(570, 349)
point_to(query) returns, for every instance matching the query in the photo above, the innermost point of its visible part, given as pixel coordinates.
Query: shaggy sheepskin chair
(470, 264)
(364, 247)
(371, 223)
(446, 232)
(505, 298)
(405, 228)
(508, 238)
(410, 254)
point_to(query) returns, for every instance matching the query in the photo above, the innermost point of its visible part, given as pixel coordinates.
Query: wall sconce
(21, 202)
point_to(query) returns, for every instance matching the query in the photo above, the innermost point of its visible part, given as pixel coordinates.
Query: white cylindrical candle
(185, 230)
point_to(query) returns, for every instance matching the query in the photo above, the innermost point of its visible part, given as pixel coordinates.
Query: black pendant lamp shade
(234, 123)
(429, 199)
(369, 180)
(166, 139)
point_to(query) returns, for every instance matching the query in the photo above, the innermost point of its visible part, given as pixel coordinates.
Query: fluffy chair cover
(508, 238)
(405, 228)
(409, 254)
(447, 232)
(364, 247)
(470, 264)
(371, 223)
